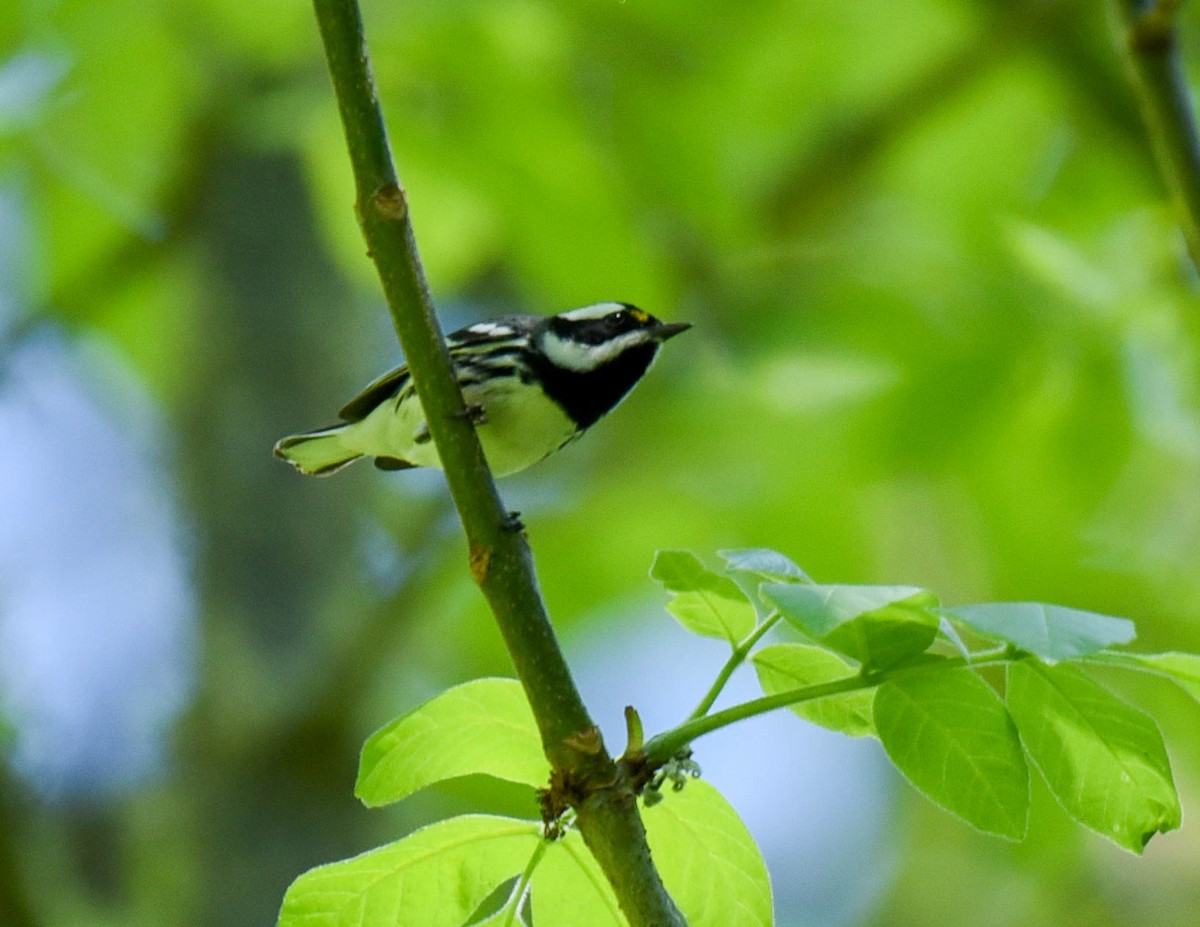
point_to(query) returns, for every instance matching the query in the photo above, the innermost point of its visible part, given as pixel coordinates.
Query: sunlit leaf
(1051, 632)
(705, 602)
(708, 861)
(879, 626)
(1183, 669)
(569, 888)
(435, 877)
(501, 918)
(483, 726)
(1102, 758)
(782, 667)
(950, 735)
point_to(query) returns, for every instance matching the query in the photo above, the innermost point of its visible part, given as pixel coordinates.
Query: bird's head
(586, 339)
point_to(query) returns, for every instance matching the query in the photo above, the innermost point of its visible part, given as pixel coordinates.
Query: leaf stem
(662, 747)
(735, 660)
(522, 887)
(1156, 72)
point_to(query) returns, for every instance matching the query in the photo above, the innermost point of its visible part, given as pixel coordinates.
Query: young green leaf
(879, 626)
(1050, 632)
(568, 887)
(1102, 758)
(950, 735)
(783, 667)
(435, 877)
(483, 726)
(708, 861)
(764, 563)
(1183, 669)
(705, 602)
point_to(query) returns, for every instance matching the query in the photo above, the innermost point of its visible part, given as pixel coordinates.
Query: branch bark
(1156, 71)
(500, 559)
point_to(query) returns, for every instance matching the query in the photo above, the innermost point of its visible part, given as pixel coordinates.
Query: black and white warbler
(532, 384)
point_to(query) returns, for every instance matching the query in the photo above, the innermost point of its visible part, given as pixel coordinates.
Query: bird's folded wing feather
(478, 338)
(377, 393)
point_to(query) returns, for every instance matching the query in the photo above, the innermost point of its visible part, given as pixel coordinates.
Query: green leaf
(1183, 669)
(950, 735)
(569, 888)
(765, 563)
(708, 861)
(484, 726)
(1051, 632)
(435, 877)
(1102, 758)
(501, 919)
(947, 629)
(705, 602)
(783, 667)
(879, 626)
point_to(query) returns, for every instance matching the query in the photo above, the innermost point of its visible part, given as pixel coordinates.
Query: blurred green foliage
(945, 335)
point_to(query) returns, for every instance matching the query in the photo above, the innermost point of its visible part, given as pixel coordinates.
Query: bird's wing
(374, 395)
(480, 337)
(491, 332)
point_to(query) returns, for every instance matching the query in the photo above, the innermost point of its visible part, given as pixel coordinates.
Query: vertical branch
(1156, 71)
(500, 559)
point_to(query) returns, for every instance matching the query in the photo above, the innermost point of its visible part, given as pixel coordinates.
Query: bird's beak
(670, 330)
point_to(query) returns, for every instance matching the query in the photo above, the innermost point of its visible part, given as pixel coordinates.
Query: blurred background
(945, 334)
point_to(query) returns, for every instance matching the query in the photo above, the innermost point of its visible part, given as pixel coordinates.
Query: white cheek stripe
(582, 357)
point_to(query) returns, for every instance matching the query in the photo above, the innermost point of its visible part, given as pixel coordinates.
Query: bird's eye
(618, 319)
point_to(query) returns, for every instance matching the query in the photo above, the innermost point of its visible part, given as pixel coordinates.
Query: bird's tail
(317, 453)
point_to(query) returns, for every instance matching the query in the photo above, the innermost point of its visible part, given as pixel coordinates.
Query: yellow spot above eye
(641, 317)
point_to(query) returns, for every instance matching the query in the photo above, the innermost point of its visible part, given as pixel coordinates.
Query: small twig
(735, 660)
(1156, 72)
(521, 889)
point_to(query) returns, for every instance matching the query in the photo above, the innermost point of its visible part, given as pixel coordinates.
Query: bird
(532, 384)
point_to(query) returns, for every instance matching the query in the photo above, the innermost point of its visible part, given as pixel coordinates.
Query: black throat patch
(587, 396)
